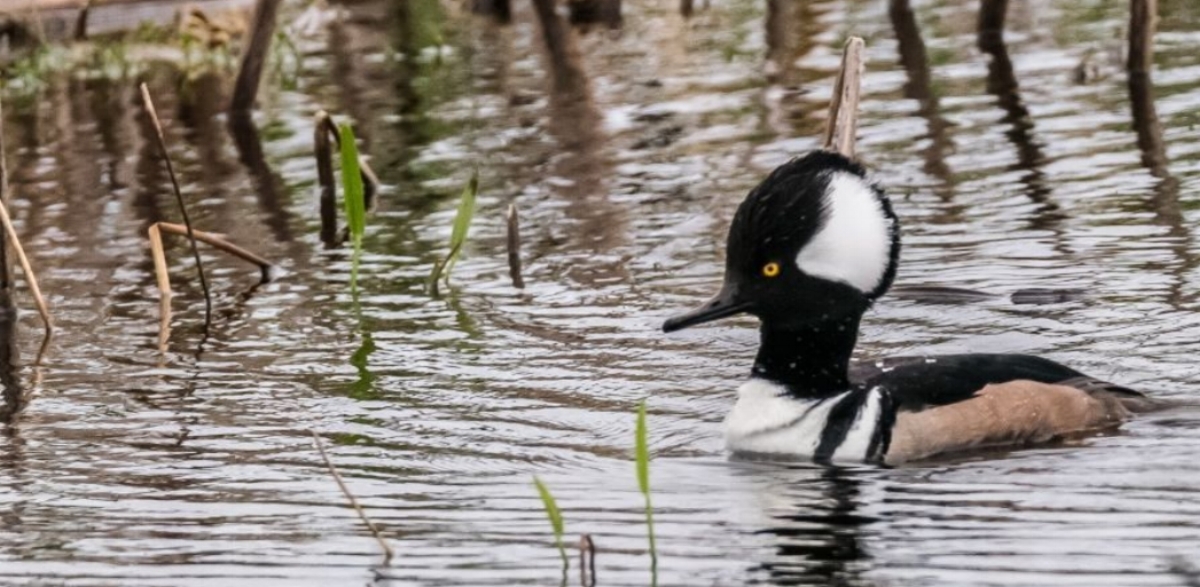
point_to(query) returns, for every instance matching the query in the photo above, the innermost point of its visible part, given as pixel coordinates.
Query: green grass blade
(356, 207)
(462, 221)
(556, 521)
(642, 451)
(458, 234)
(642, 454)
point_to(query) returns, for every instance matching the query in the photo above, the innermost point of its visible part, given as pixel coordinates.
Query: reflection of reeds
(245, 89)
(388, 553)
(1143, 20)
(162, 147)
(13, 240)
(842, 127)
(556, 521)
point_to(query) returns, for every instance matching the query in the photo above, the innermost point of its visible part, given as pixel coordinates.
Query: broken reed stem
(220, 243)
(587, 561)
(162, 147)
(323, 128)
(15, 241)
(362, 515)
(841, 128)
(514, 246)
(245, 89)
(164, 285)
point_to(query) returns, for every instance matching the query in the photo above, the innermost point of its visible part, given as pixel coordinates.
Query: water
(195, 467)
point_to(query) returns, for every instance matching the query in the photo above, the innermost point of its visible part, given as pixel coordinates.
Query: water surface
(627, 155)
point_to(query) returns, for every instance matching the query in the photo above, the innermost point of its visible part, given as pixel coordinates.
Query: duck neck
(811, 360)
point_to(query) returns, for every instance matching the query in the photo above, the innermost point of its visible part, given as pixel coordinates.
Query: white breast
(766, 420)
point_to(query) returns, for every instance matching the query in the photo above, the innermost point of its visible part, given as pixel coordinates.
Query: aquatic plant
(556, 521)
(355, 201)
(458, 234)
(642, 455)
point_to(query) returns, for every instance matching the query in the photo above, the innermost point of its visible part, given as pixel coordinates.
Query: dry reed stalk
(164, 285)
(6, 220)
(29, 274)
(218, 242)
(162, 147)
(514, 246)
(245, 89)
(841, 129)
(362, 515)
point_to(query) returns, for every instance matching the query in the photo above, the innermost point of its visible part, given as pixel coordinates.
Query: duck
(808, 252)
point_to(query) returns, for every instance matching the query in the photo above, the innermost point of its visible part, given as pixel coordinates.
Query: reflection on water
(627, 152)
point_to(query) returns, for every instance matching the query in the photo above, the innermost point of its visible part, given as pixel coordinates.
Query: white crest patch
(854, 246)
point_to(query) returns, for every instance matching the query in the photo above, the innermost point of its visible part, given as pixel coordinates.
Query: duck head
(816, 242)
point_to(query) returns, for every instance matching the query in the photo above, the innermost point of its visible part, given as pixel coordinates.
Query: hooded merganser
(809, 250)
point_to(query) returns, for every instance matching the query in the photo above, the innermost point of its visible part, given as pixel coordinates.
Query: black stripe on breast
(837, 425)
(881, 439)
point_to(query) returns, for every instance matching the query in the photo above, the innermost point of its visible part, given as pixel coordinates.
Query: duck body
(809, 251)
(903, 409)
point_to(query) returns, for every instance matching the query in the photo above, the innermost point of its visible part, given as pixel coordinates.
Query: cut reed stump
(841, 129)
(514, 246)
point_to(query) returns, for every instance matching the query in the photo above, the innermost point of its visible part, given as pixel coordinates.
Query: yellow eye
(771, 269)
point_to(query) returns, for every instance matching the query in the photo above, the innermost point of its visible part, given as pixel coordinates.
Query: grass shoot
(458, 234)
(556, 521)
(642, 454)
(356, 207)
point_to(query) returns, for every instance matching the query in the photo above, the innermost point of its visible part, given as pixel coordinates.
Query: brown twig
(245, 89)
(587, 561)
(6, 220)
(841, 128)
(362, 515)
(162, 147)
(514, 246)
